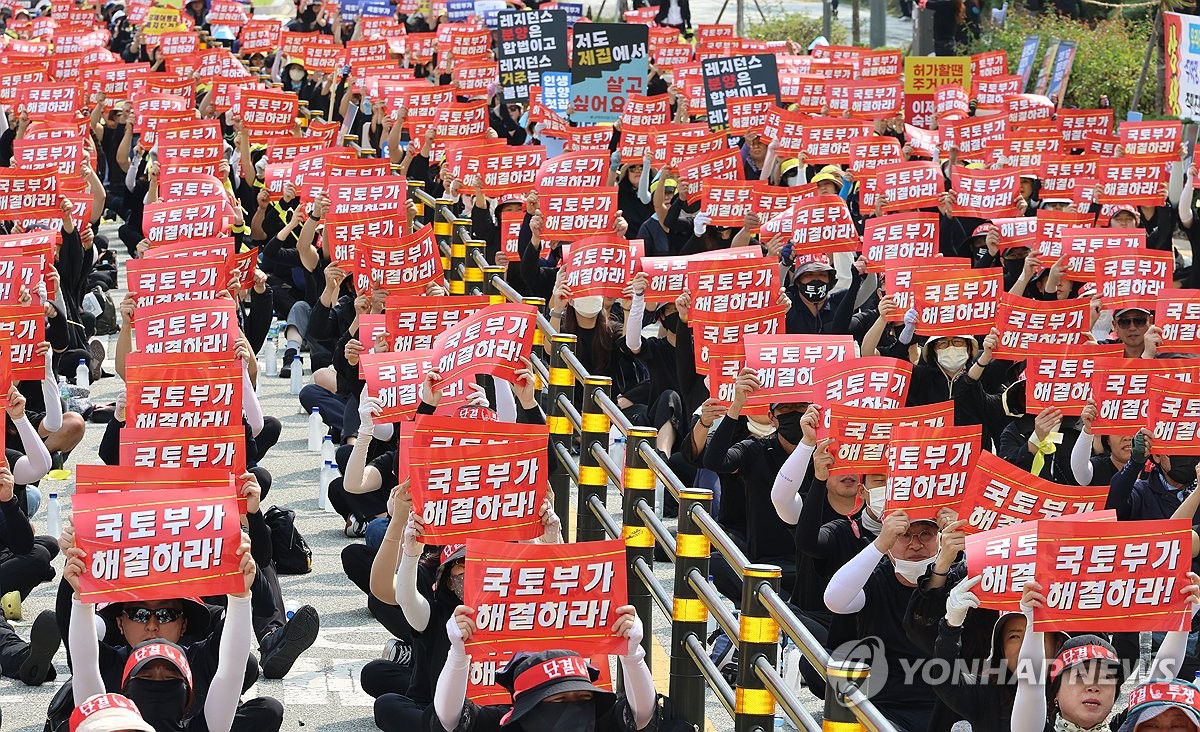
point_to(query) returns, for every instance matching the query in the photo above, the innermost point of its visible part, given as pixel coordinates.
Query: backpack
(290, 550)
(106, 319)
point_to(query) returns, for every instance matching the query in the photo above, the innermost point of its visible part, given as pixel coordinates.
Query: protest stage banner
(165, 545)
(609, 61)
(532, 597)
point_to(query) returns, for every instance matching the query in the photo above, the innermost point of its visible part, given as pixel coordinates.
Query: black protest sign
(739, 76)
(528, 43)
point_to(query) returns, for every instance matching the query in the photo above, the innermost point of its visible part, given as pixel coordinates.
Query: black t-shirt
(386, 465)
(659, 357)
(431, 646)
(616, 718)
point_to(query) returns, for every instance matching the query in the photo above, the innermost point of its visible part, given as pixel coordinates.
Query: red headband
(1175, 693)
(1077, 655)
(563, 667)
(170, 653)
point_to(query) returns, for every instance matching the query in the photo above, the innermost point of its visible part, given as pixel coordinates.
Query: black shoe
(44, 640)
(285, 369)
(294, 638)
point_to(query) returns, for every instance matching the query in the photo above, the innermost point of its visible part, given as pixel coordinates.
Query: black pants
(398, 713)
(365, 506)
(356, 561)
(13, 650)
(380, 678)
(23, 572)
(269, 435)
(263, 714)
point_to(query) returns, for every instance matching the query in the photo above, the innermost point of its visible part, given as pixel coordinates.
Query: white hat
(108, 713)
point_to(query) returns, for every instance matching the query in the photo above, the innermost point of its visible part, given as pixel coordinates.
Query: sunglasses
(1132, 322)
(163, 615)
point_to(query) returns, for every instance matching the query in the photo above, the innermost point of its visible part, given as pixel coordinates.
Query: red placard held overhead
(999, 494)
(861, 434)
(928, 468)
(1133, 278)
(1177, 313)
(1026, 325)
(822, 225)
(1121, 389)
(717, 329)
(480, 490)
(1157, 141)
(984, 194)
(179, 543)
(739, 285)
(415, 321)
(185, 447)
(1016, 233)
(956, 302)
(395, 378)
(23, 327)
(909, 186)
(571, 215)
(907, 235)
(1061, 377)
(493, 341)
(533, 597)
(785, 365)
(1082, 245)
(29, 195)
(199, 326)
(599, 265)
(406, 265)
(165, 280)
(1124, 577)
(1134, 183)
(182, 390)
(1173, 416)
(877, 382)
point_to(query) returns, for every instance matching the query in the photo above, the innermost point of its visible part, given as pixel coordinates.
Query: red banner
(480, 490)
(786, 363)
(823, 225)
(876, 382)
(1177, 313)
(909, 186)
(1028, 326)
(1132, 183)
(912, 234)
(415, 321)
(182, 391)
(717, 329)
(140, 550)
(1173, 415)
(571, 215)
(533, 597)
(984, 194)
(25, 327)
(198, 326)
(1133, 278)
(861, 434)
(999, 494)
(1157, 141)
(956, 302)
(1113, 577)
(161, 280)
(1121, 389)
(30, 194)
(733, 285)
(1082, 245)
(492, 341)
(600, 265)
(928, 468)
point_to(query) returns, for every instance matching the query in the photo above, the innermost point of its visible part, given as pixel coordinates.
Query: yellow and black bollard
(841, 675)
(473, 272)
(562, 383)
(689, 615)
(593, 481)
(637, 481)
(758, 635)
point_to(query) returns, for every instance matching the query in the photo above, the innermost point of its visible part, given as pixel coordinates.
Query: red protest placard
(1121, 389)
(396, 378)
(1133, 183)
(90, 479)
(951, 99)
(415, 321)
(1157, 141)
(23, 327)
(1028, 326)
(727, 202)
(160, 280)
(512, 171)
(64, 156)
(198, 326)
(510, 233)
(972, 136)
(406, 265)
(861, 434)
(899, 279)
(733, 285)
(984, 194)
(176, 447)
(29, 195)
(1081, 245)
(913, 234)
(480, 490)
(493, 341)
(718, 165)
(267, 113)
(1173, 416)
(868, 153)
(999, 494)
(571, 215)
(1124, 577)
(875, 382)
(909, 186)
(786, 363)
(1177, 313)
(1061, 174)
(928, 468)
(748, 114)
(16, 271)
(1004, 558)
(1133, 278)
(668, 275)
(955, 302)
(199, 218)
(1061, 376)
(183, 390)
(993, 90)
(823, 225)
(716, 329)
(1052, 225)
(1026, 110)
(532, 597)
(826, 140)
(1077, 123)
(141, 548)
(585, 170)
(599, 265)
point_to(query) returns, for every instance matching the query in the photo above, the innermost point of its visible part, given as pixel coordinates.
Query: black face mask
(671, 322)
(308, 16)
(814, 292)
(560, 717)
(789, 427)
(162, 703)
(1184, 475)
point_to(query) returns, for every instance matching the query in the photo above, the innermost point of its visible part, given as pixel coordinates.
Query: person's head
(1084, 679)
(1009, 633)
(873, 493)
(918, 543)
(1120, 447)
(108, 713)
(1056, 203)
(786, 416)
(553, 691)
(847, 485)
(1124, 217)
(452, 571)
(634, 174)
(257, 60)
(1179, 470)
(1028, 186)
(828, 181)
(1168, 705)
(140, 621)
(296, 72)
(158, 678)
(1130, 325)
(587, 309)
(814, 280)
(668, 317)
(756, 148)
(509, 203)
(951, 353)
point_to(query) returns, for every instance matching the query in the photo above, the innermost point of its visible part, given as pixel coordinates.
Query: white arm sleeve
(85, 651)
(506, 403)
(412, 602)
(785, 492)
(53, 419)
(226, 688)
(451, 689)
(250, 406)
(633, 323)
(35, 463)
(1029, 707)
(1081, 459)
(131, 174)
(845, 595)
(1186, 216)
(644, 186)
(639, 688)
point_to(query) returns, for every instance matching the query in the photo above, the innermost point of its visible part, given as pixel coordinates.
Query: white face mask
(911, 570)
(953, 358)
(759, 429)
(877, 497)
(296, 74)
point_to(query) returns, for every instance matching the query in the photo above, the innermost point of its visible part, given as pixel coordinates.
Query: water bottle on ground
(328, 450)
(316, 430)
(297, 378)
(328, 472)
(270, 351)
(53, 517)
(83, 377)
(616, 451)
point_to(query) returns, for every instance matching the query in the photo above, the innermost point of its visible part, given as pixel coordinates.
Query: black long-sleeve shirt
(16, 533)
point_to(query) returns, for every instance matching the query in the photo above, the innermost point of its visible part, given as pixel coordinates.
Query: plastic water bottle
(64, 389)
(53, 519)
(297, 378)
(791, 668)
(616, 450)
(328, 450)
(289, 608)
(328, 471)
(258, 385)
(83, 377)
(316, 430)
(270, 353)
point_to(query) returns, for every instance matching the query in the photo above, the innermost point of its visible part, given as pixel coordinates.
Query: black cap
(533, 677)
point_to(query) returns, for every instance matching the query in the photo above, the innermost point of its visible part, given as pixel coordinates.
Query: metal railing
(763, 617)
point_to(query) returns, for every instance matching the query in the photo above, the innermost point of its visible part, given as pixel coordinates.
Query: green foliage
(796, 27)
(1108, 57)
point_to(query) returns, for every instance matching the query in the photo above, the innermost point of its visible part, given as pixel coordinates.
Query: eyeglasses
(1132, 322)
(163, 615)
(948, 342)
(923, 537)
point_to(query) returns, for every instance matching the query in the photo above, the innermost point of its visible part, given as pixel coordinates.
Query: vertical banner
(609, 61)
(1028, 57)
(1181, 53)
(529, 44)
(740, 76)
(534, 597)
(1047, 68)
(1061, 74)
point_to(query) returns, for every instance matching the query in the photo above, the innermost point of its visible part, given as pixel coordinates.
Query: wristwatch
(555, 313)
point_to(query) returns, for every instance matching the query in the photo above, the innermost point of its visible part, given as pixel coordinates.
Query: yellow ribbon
(1044, 447)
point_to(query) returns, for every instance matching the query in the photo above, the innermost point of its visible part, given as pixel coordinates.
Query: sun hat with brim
(194, 611)
(451, 553)
(108, 713)
(806, 263)
(824, 177)
(1124, 208)
(157, 649)
(1153, 698)
(1122, 311)
(533, 677)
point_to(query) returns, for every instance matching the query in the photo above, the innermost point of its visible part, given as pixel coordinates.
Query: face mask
(163, 703)
(911, 570)
(877, 497)
(671, 322)
(953, 358)
(789, 427)
(366, 106)
(1183, 475)
(296, 75)
(457, 584)
(814, 292)
(758, 429)
(561, 716)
